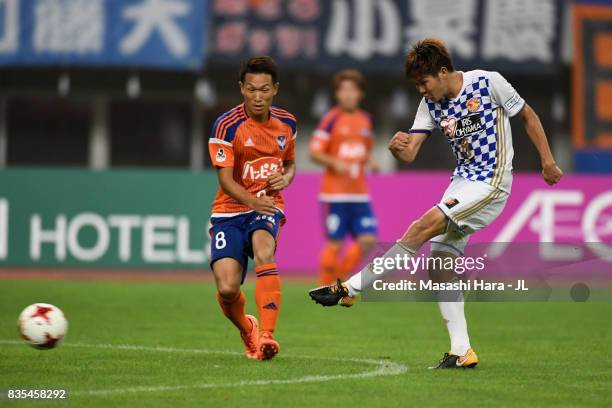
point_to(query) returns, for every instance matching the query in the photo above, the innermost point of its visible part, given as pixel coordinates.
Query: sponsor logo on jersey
(451, 202)
(281, 140)
(260, 169)
(466, 126)
(221, 155)
(473, 104)
(249, 143)
(352, 151)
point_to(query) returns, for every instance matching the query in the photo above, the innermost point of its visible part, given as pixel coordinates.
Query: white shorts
(469, 206)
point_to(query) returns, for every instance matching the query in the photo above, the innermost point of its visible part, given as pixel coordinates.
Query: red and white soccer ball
(42, 325)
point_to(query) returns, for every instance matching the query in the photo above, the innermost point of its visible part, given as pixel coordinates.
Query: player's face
(431, 87)
(348, 95)
(258, 91)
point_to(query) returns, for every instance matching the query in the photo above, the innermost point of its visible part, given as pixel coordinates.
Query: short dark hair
(350, 75)
(427, 57)
(259, 65)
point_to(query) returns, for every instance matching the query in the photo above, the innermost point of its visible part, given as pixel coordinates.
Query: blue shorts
(352, 218)
(230, 237)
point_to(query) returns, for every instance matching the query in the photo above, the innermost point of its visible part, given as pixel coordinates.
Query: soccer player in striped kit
(473, 110)
(252, 146)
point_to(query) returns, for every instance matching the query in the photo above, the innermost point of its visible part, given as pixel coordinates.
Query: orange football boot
(251, 339)
(268, 347)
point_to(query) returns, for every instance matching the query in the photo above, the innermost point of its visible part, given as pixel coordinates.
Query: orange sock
(329, 264)
(267, 296)
(234, 310)
(352, 256)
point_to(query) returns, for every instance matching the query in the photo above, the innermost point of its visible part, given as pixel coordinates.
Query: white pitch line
(384, 368)
(130, 347)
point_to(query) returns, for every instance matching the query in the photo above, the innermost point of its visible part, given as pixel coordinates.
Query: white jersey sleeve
(423, 122)
(505, 95)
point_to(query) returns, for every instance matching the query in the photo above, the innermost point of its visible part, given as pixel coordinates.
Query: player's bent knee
(228, 291)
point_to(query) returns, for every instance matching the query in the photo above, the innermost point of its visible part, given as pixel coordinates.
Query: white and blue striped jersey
(477, 126)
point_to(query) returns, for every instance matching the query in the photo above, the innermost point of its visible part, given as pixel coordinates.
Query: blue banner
(137, 33)
(375, 34)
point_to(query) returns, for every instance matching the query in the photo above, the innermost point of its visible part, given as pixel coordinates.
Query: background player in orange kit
(252, 147)
(343, 143)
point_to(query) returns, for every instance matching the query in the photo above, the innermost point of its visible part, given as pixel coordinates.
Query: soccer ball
(42, 325)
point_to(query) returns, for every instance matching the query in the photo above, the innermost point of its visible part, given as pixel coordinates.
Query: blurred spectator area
(121, 118)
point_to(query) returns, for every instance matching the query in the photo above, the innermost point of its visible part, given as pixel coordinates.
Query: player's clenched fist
(263, 204)
(552, 174)
(399, 142)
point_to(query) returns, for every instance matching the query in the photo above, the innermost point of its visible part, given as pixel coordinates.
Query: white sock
(453, 313)
(366, 277)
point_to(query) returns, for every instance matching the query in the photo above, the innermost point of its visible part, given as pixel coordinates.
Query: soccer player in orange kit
(252, 146)
(343, 143)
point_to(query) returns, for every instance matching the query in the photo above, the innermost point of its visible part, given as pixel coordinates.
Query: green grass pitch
(162, 344)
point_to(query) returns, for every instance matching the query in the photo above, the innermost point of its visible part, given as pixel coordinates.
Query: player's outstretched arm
(550, 171)
(405, 146)
(263, 204)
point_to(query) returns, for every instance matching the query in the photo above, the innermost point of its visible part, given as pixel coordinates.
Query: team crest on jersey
(473, 104)
(221, 155)
(281, 140)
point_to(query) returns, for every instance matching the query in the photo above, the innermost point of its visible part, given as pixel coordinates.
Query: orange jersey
(254, 150)
(345, 136)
